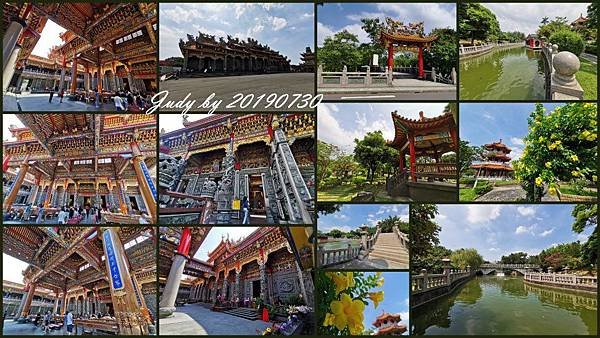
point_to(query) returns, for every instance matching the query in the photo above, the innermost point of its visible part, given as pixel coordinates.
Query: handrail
(562, 279)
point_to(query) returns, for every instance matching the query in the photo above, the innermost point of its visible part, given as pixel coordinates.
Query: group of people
(88, 215)
(132, 101)
(46, 321)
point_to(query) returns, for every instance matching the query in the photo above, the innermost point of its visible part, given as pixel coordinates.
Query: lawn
(587, 77)
(344, 192)
(506, 182)
(466, 194)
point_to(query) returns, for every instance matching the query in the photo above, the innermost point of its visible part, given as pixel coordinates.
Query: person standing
(61, 94)
(246, 210)
(40, 215)
(47, 318)
(69, 323)
(51, 95)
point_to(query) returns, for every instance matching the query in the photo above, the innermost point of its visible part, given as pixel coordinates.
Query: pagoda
(496, 164)
(388, 324)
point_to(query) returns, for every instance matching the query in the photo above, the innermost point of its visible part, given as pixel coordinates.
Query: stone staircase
(242, 312)
(388, 250)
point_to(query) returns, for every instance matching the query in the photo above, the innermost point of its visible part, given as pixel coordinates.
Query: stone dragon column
(180, 258)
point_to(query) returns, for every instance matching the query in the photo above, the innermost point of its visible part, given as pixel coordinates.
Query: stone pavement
(511, 193)
(39, 103)
(198, 319)
(12, 328)
(400, 89)
(387, 253)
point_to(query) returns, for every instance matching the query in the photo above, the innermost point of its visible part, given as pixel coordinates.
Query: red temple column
(74, 75)
(531, 43)
(169, 295)
(420, 64)
(454, 138)
(411, 140)
(5, 163)
(390, 61)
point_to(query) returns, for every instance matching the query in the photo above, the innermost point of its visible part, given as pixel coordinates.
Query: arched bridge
(488, 268)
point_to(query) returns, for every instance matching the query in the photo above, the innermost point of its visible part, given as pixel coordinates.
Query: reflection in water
(506, 305)
(509, 74)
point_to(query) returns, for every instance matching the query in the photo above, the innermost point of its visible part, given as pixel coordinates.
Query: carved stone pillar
(264, 295)
(169, 294)
(144, 179)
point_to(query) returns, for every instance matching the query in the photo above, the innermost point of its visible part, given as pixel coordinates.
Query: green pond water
(342, 244)
(494, 305)
(510, 74)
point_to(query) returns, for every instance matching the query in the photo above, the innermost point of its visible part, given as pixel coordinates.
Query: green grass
(507, 182)
(466, 194)
(345, 192)
(587, 79)
(571, 190)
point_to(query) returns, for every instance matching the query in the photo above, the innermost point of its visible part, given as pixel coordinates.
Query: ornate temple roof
(89, 26)
(56, 254)
(53, 141)
(498, 145)
(430, 133)
(412, 33)
(385, 316)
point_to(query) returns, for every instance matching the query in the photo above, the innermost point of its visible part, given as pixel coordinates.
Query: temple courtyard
(39, 102)
(198, 319)
(225, 87)
(12, 328)
(400, 89)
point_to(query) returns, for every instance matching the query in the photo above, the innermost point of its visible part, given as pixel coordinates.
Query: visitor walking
(97, 98)
(246, 210)
(69, 323)
(119, 103)
(40, 215)
(61, 94)
(51, 95)
(47, 318)
(62, 216)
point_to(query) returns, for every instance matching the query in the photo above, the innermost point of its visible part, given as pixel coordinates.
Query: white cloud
(434, 15)
(517, 141)
(482, 213)
(493, 249)
(278, 23)
(522, 229)
(546, 232)
(324, 31)
(526, 211)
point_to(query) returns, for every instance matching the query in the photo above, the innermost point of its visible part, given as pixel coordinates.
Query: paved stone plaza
(39, 102)
(198, 319)
(12, 328)
(226, 87)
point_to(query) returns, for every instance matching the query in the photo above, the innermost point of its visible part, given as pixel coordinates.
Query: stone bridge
(486, 269)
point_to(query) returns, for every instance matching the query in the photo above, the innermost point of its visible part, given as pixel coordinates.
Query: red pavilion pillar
(411, 140)
(420, 64)
(5, 163)
(390, 61)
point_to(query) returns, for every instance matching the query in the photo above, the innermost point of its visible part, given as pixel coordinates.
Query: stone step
(250, 314)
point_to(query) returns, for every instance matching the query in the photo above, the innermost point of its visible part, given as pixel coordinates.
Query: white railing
(367, 78)
(487, 47)
(426, 282)
(561, 83)
(563, 279)
(401, 236)
(327, 257)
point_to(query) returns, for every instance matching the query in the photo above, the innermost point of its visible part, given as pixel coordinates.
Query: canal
(494, 305)
(510, 74)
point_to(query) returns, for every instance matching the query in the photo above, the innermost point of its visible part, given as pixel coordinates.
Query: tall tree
(442, 54)
(371, 152)
(544, 20)
(476, 22)
(586, 215)
(424, 232)
(593, 15)
(467, 154)
(339, 50)
(466, 257)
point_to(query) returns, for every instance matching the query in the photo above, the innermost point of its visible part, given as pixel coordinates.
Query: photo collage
(300, 168)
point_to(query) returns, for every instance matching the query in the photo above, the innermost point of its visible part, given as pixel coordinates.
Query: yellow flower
(574, 158)
(594, 178)
(548, 164)
(552, 191)
(538, 181)
(557, 142)
(348, 312)
(329, 319)
(342, 280)
(551, 146)
(380, 282)
(541, 139)
(592, 137)
(376, 297)
(575, 173)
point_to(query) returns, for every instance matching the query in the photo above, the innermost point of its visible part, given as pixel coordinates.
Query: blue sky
(287, 28)
(216, 234)
(500, 229)
(341, 123)
(395, 298)
(335, 17)
(482, 123)
(352, 216)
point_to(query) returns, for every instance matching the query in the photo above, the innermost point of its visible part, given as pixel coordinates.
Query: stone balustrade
(560, 70)
(426, 287)
(568, 280)
(401, 236)
(366, 79)
(482, 49)
(329, 257)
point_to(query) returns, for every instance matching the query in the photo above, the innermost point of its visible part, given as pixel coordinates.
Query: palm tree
(545, 20)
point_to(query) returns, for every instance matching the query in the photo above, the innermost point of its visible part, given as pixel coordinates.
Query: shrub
(482, 188)
(591, 48)
(468, 180)
(568, 41)
(359, 180)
